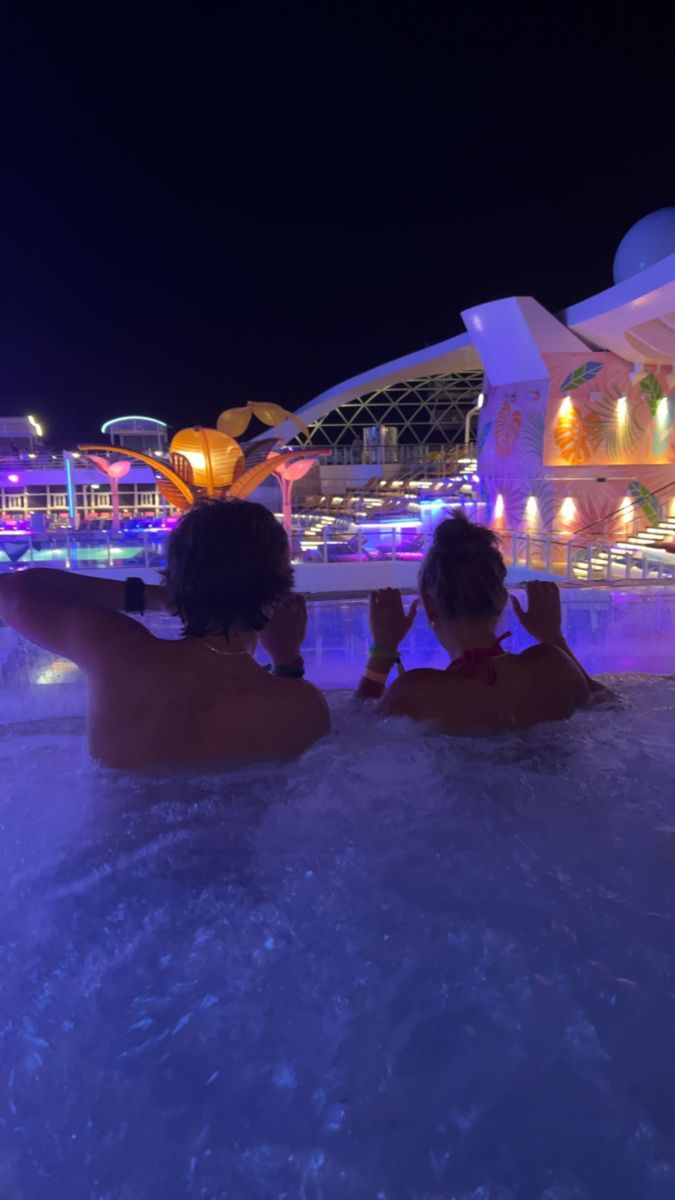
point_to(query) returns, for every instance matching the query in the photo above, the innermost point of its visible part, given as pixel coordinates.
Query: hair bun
(461, 538)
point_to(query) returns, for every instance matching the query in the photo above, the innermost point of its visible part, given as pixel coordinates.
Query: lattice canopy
(428, 410)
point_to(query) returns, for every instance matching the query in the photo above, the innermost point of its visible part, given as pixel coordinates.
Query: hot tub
(402, 967)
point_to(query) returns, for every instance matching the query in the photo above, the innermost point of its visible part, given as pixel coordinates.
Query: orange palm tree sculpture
(209, 462)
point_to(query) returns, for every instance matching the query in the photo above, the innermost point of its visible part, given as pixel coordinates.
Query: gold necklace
(222, 653)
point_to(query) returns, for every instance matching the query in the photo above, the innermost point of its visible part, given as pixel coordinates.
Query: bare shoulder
(302, 701)
(551, 665)
(403, 696)
(546, 656)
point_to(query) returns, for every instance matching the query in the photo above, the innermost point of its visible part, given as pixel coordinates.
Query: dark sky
(225, 203)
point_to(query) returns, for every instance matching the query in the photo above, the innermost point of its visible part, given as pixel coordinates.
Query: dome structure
(647, 242)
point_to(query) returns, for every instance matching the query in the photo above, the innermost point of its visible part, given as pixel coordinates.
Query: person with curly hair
(154, 700)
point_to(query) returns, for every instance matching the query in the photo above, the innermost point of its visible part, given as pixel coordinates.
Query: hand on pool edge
(389, 622)
(543, 617)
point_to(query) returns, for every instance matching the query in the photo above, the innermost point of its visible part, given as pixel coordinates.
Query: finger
(412, 612)
(518, 607)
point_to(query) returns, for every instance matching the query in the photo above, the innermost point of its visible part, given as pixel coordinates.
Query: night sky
(202, 208)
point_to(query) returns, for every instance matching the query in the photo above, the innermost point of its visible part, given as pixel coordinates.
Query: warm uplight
(568, 509)
(531, 506)
(626, 509)
(565, 407)
(621, 408)
(662, 410)
(499, 507)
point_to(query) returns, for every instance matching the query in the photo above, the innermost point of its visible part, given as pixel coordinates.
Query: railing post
(548, 556)
(109, 548)
(568, 560)
(146, 556)
(527, 551)
(325, 545)
(393, 545)
(31, 556)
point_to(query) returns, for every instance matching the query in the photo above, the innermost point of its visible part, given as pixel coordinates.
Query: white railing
(555, 557)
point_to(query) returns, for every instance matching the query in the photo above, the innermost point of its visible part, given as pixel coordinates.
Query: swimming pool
(402, 967)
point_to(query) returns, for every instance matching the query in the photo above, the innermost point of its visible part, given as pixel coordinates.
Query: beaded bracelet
(377, 651)
(282, 672)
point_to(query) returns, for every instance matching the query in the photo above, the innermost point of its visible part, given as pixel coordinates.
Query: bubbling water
(401, 967)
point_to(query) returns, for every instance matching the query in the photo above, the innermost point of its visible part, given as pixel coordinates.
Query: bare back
(541, 684)
(173, 701)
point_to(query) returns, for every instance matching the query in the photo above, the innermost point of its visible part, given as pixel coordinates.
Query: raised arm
(70, 614)
(389, 624)
(543, 621)
(104, 593)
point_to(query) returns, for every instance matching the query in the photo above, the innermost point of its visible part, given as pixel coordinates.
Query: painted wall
(564, 451)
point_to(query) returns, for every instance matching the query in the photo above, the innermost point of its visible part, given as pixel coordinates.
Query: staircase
(654, 536)
(641, 556)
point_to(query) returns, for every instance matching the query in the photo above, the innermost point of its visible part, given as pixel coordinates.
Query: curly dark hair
(464, 571)
(228, 563)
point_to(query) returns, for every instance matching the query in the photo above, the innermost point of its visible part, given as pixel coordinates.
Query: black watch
(134, 595)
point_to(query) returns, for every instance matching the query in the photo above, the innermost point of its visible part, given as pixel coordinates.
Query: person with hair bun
(485, 688)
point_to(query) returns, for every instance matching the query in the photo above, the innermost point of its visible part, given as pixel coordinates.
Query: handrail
(666, 487)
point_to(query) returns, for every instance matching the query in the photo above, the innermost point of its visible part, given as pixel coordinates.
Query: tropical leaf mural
(514, 493)
(507, 429)
(544, 493)
(573, 438)
(661, 437)
(483, 435)
(533, 433)
(595, 514)
(584, 373)
(651, 391)
(618, 438)
(646, 501)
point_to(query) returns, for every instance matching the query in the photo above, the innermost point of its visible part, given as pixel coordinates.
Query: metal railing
(434, 458)
(596, 561)
(568, 560)
(53, 462)
(627, 513)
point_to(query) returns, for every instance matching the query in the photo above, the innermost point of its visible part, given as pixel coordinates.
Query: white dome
(646, 243)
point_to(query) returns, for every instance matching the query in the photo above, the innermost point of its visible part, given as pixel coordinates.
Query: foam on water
(401, 967)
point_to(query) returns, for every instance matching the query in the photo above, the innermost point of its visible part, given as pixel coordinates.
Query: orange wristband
(374, 676)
